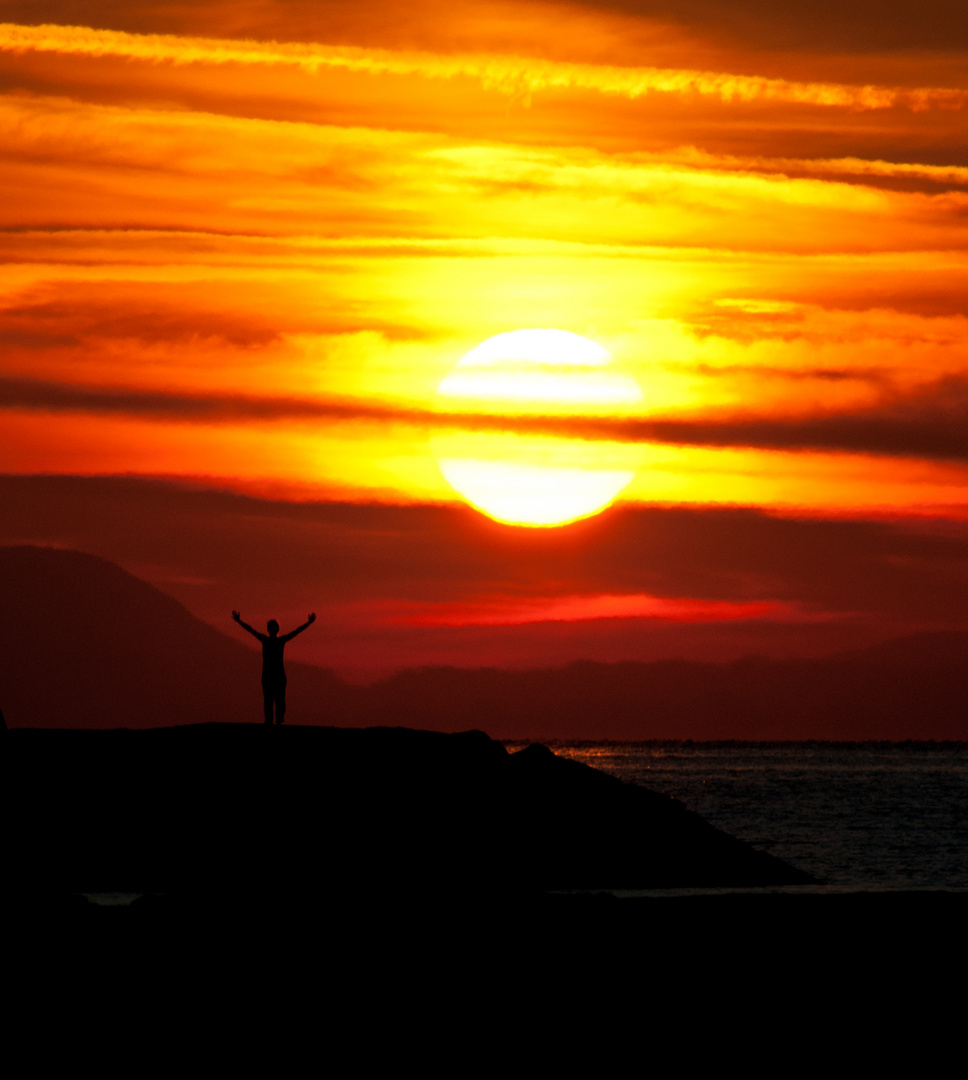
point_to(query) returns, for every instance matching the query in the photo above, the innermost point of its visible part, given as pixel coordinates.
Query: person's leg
(267, 702)
(280, 703)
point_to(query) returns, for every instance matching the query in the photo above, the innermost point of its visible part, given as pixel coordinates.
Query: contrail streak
(516, 76)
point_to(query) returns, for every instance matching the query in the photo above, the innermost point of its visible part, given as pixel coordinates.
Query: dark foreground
(566, 975)
(414, 872)
(242, 808)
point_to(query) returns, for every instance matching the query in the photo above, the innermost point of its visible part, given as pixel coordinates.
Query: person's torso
(272, 666)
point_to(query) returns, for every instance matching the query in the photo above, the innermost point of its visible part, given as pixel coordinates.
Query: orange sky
(241, 244)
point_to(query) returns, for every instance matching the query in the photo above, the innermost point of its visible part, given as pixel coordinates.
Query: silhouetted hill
(852, 698)
(85, 644)
(929, 650)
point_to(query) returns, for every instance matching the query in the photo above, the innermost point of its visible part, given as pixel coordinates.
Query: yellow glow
(521, 386)
(533, 480)
(210, 218)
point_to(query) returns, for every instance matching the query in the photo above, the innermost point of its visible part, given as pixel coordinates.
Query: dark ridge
(901, 694)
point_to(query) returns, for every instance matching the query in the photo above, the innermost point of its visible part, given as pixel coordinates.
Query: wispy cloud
(507, 611)
(930, 423)
(512, 75)
(838, 168)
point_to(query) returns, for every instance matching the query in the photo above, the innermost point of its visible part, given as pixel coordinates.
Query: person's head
(273, 627)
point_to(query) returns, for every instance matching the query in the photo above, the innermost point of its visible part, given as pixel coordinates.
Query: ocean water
(857, 816)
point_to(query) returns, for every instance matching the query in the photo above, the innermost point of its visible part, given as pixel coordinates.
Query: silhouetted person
(273, 672)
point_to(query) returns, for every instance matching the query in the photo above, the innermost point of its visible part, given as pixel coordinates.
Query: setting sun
(537, 480)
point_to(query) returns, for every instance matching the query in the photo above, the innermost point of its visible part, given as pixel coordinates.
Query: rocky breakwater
(216, 806)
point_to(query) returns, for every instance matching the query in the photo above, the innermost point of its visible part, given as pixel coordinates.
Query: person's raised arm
(299, 629)
(245, 626)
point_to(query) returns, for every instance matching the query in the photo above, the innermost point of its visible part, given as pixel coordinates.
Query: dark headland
(242, 807)
(410, 871)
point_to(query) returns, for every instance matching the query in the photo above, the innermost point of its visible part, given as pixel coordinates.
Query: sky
(242, 244)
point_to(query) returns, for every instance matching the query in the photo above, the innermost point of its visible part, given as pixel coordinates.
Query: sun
(534, 479)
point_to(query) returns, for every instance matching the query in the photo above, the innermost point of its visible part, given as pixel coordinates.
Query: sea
(858, 817)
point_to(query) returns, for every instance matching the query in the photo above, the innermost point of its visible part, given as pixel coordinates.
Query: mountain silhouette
(83, 643)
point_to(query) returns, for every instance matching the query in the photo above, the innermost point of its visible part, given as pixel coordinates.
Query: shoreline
(126, 899)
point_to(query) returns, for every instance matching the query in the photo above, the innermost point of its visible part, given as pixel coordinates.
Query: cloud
(127, 316)
(203, 408)
(916, 175)
(816, 25)
(931, 422)
(358, 564)
(517, 77)
(510, 611)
